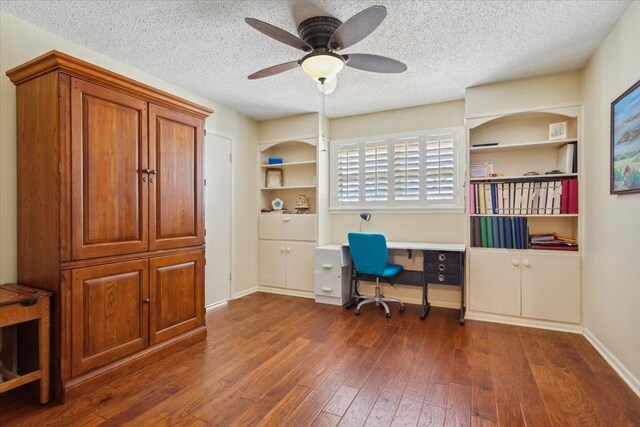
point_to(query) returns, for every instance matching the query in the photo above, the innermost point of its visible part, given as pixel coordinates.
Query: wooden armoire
(110, 216)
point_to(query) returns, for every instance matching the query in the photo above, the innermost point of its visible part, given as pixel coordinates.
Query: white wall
(417, 226)
(20, 42)
(612, 251)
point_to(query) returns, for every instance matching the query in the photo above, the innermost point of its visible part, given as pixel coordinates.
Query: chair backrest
(368, 252)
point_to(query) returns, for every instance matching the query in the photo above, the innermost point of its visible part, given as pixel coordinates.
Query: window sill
(398, 210)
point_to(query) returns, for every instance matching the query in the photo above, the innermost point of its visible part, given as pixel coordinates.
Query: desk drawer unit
(332, 270)
(442, 267)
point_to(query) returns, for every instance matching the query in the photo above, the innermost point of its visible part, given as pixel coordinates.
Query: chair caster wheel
(402, 309)
(388, 315)
(356, 312)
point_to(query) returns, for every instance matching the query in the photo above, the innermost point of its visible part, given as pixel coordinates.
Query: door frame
(216, 132)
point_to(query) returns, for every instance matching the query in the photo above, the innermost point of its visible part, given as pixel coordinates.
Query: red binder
(573, 196)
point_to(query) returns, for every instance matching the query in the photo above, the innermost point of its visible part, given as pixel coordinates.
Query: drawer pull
(286, 219)
(441, 257)
(441, 277)
(325, 289)
(327, 266)
(441, 267)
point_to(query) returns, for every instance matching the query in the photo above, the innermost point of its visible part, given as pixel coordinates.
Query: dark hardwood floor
(284, 361)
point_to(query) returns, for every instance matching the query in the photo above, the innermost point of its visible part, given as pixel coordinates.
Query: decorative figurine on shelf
(277, 204)
(302, 204)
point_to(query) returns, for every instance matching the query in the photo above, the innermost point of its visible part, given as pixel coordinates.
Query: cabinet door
(300, 265)
(177, 294)
(551, 286)
(494, 282)
(175, 181)
(110, 317)
(272, 268)
(108, 153)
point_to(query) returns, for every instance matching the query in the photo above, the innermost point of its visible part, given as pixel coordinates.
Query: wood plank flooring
(273, 360)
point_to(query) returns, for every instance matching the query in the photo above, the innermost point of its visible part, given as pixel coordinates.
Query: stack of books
(552, 242)
(548, 197)
(500, 232)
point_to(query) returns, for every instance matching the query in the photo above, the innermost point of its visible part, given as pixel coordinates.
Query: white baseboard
(613, 361)
(215, 305)
(521, 321)
(244, 293)
(289, 292)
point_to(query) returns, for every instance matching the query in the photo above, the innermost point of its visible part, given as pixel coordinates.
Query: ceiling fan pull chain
(324, 140)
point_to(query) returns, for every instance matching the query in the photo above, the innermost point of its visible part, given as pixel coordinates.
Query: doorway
(217, 203)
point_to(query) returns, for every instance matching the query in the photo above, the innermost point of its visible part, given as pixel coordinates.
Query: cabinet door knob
(282, 249)
(286, 219)
(146, 170)
(288, 250)
(515, 262)
(526, 263)
(147, 300)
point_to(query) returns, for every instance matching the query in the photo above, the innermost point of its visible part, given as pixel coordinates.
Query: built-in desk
(443, 264)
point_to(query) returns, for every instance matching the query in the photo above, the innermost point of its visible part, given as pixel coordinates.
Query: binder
(525, 232)
(557, 192)
(573, 196)
(496, 232)
(564, 198)
(524, 207)
(489, 232)
(481, 197)
(483, 231)
(501, 232)
(476, 231)
(499, 190)
(542, 202)
(494, 199)
(513, 232)
(574, 169)
(550, 195)
(512, 198)
(508, 242)
(535, 198)
(472, 199)
(565, 158)
(488, 199)
(472, 234)
(516, 223)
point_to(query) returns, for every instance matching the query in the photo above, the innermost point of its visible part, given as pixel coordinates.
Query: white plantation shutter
(440, 173)
(348, 165)
(376, 172)
(419, 170)
(406, 169)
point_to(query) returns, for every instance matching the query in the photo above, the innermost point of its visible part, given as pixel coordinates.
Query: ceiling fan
(321, 37)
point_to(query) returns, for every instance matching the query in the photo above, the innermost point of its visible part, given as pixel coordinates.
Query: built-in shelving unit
(512, 281)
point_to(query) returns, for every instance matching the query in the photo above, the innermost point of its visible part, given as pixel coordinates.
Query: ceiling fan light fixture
(322, 65)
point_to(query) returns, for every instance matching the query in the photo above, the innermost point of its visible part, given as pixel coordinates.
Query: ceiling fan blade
(279, 34)
(357, 27)
(276, 69)
(374, 63)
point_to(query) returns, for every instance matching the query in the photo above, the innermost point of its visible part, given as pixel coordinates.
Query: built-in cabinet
(110, 216)
(526, 283)
(288, 236)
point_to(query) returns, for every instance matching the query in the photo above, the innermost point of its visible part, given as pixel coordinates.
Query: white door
(217, 204)
(494, 281)
(551, 286)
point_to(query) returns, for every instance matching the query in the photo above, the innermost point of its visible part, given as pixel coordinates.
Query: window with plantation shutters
(376, 172)
(348, 165)
(419, 170)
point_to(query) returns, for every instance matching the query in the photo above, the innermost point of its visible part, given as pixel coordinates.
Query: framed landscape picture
(625, 142)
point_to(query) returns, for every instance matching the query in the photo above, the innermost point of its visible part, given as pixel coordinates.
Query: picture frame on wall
(273, 178)
(557, 131)
(625, 142)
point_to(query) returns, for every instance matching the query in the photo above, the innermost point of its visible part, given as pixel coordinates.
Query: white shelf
(279, 165)
(522, 146)
(529, 177)
(291, 187)
(532, 215)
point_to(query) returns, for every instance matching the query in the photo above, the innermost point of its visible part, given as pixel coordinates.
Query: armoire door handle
(147, 300)
(146, 170)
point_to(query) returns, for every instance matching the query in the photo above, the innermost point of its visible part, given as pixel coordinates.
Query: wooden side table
(21, 304)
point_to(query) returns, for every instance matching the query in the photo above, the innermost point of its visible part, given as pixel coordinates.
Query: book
(494, 198)
(481, 197)
(513, 232)
(488, 199)
(574, 169)
(564, 198)
(472, 234)
(573, 196)
(555, 248)
(476, 231)
(496, 232)
(501, 232)
(518, 243)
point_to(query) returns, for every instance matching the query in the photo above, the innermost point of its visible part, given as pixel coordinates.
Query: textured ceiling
(205, 46)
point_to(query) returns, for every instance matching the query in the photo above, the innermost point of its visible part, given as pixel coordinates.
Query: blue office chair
(371, 259)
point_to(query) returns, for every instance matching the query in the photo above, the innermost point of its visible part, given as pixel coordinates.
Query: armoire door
(110, 313)
(108, 184)
(175, 180)
(177, 294)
